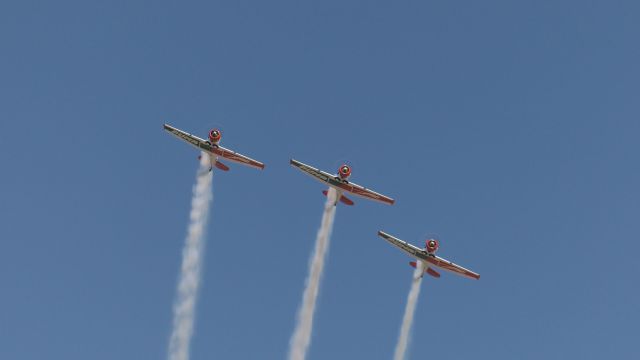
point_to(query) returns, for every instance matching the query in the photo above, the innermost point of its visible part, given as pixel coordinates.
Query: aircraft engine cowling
(344, 172)
(214, 136)
(431, 246)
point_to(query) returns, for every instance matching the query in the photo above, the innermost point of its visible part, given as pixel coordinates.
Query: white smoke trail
(301, 337)
(185, 305)
(409, 310)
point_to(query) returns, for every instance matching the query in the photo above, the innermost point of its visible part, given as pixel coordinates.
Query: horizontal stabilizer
(433, 273)
(345, 200)
(429, 270)
(222, 166)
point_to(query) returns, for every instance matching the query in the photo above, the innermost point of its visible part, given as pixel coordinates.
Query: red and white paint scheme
(428, 258)
(215, 151)
(341, 184)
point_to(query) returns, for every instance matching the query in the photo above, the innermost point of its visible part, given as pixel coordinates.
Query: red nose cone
(344, 171)
(431, 246)
(215, 135)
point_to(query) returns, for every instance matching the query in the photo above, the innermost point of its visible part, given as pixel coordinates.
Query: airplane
(341, 183)
(428, 257)
(215, 151)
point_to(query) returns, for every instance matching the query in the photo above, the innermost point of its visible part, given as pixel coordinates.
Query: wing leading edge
(421, 254)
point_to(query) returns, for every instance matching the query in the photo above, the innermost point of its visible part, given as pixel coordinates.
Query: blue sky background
(509, 128)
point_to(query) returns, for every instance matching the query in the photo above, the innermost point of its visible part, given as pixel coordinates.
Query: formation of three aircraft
(341, 184)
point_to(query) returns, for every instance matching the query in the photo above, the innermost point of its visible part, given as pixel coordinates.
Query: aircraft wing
(431, 259)
(319, 175)
(449, 266)
(214, 149)
(334, 181)
(411, 250)
(190, 139)
(362, 191)
(237, 157)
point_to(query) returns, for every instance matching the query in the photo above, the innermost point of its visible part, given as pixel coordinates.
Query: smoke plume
(192, 253)
(301, 337)
(407, 320)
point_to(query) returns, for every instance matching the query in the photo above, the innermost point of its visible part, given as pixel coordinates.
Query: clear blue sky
(509, 128)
